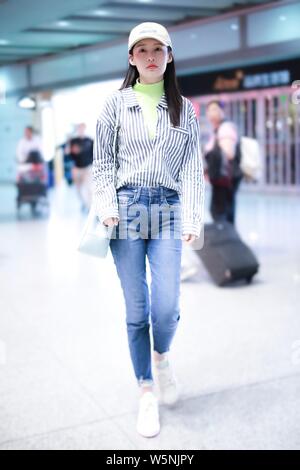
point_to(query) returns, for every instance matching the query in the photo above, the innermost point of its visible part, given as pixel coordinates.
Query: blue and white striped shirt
(172, 158)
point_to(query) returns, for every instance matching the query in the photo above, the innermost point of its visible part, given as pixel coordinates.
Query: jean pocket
(126, 197)
(172, 198)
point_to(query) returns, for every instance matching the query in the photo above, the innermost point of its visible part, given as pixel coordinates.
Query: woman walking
(155, 202)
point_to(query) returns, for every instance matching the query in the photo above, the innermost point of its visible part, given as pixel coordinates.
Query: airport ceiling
(35, 28)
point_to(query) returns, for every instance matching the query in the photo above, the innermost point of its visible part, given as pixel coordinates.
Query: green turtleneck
(148, 96)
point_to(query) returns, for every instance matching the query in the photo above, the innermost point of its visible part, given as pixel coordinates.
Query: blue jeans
(144, 230)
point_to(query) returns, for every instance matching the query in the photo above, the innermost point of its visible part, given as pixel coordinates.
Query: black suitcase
(226, 257)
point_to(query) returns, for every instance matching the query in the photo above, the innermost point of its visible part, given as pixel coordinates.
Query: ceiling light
(234, 26)
(4, 42)
(63, 24)
(282, 18)
(26, 102)
(101, 13)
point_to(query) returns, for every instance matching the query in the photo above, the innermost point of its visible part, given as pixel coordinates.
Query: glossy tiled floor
(66, 380)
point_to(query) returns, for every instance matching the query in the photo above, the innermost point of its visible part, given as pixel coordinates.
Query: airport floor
(66, 380)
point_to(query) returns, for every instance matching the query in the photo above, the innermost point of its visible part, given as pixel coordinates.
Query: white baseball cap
(149, 30)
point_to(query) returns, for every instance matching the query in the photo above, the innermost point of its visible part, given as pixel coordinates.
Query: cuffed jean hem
(145, 383)
(162, 354)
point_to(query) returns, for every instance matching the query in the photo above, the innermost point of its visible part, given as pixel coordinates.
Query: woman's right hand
(111, 221)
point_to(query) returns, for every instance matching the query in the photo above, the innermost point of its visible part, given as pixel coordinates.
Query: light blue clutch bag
(95, 237)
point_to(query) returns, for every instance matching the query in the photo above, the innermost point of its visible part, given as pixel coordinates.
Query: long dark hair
(173, 95)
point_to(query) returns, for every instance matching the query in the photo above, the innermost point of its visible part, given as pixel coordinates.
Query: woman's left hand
(188, 238)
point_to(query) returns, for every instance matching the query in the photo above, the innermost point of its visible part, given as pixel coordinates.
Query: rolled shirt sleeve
(192, 180)
(105, 196)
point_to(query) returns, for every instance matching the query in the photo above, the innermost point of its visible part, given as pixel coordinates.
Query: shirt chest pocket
(178, 136)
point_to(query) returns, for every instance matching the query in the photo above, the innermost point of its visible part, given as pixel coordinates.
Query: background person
(222, 155)
(30, 142)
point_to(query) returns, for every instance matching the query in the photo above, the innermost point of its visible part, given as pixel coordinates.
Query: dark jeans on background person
(161, 305)
(223, 202)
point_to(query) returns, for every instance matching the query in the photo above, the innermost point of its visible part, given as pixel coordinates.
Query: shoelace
(149, 405)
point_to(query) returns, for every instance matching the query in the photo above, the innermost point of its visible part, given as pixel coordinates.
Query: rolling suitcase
(226, 257)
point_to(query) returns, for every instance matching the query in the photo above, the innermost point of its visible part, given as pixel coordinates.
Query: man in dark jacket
(81, 153)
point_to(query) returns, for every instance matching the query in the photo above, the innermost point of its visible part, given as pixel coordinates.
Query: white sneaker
(166, 382)
(148, 416)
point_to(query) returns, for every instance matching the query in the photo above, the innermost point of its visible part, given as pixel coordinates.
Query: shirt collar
(130, 98)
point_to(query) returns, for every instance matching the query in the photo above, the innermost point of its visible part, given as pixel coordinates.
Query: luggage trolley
(32, 179)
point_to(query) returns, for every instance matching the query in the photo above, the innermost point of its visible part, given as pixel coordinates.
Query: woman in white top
(154, 203)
